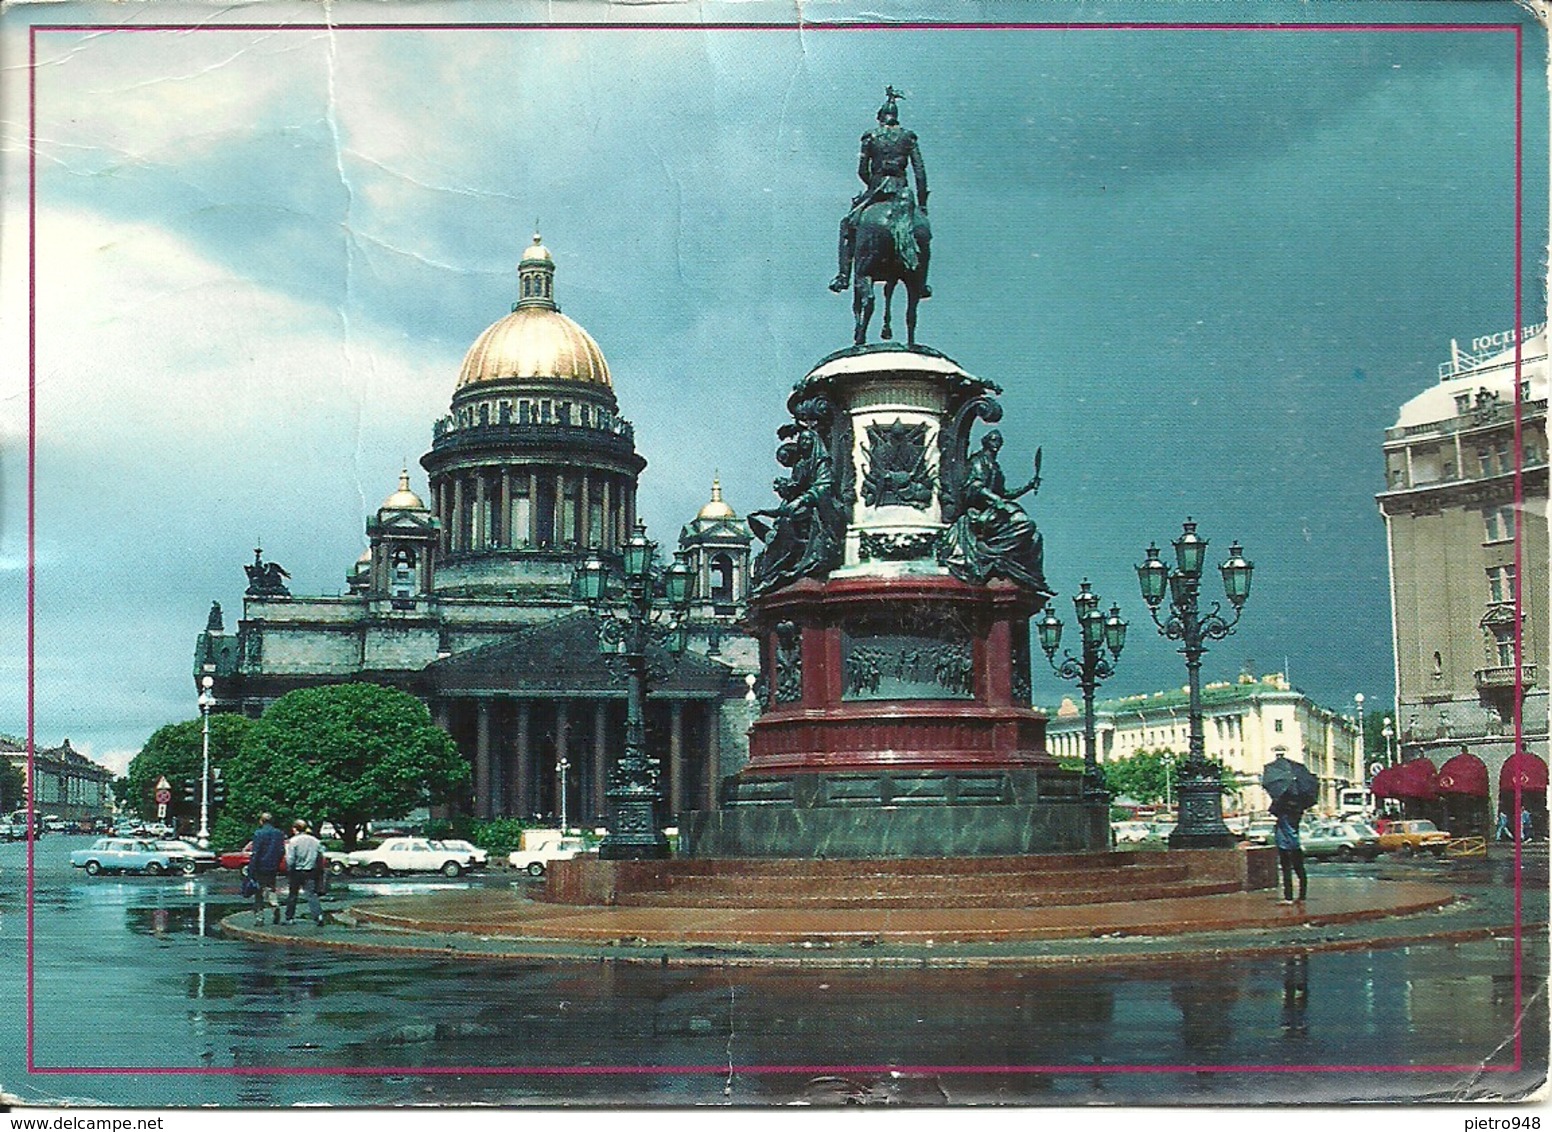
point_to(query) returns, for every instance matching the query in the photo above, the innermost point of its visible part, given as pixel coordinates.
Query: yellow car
(1414, 837)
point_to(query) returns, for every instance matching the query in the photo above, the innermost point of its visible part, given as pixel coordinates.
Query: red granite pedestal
(897, 724)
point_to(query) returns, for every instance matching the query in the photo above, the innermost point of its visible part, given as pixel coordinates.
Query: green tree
(175, 751)
(1145, 776)
(13, 786)
(346, 754)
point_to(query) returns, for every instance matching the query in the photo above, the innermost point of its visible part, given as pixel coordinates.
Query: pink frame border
(721, 1071)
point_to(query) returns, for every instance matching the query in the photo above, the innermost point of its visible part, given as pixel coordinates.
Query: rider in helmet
(886, 151)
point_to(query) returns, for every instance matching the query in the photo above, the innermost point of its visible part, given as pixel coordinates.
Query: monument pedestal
(896, 696)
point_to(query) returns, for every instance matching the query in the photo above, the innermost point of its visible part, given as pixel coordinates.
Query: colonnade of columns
(514, 506)
(515, 745)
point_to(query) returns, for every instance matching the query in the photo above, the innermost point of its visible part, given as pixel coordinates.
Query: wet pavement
(138, 1000)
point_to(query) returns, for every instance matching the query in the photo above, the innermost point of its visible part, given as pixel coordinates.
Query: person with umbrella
(1293, 789)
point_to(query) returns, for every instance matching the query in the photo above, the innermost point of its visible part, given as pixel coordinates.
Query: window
(1498, 524)
(1501, 583)
(1277, 725)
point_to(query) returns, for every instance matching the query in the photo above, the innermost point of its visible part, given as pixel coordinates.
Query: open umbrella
(1285, 779)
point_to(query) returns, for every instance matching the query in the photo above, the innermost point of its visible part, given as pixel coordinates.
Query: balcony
(1502, 677)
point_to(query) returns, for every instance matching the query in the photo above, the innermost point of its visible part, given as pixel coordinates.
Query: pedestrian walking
(1526, 828)
(304, 868)
(269, 849)
(1503, 832)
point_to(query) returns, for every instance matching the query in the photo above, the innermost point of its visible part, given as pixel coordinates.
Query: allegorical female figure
(992, 536)
(809, 526)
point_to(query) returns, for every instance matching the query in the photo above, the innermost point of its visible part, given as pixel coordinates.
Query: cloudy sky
(1206, 265)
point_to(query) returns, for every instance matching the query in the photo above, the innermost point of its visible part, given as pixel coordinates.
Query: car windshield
(1424, 827)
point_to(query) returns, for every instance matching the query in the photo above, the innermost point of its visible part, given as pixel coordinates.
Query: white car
(541, 851)
(128, 855)
(409, 855)
(1129, 832)
(480, 857)
(198, 860)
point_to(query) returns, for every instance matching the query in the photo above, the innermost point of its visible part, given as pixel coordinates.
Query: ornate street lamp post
(562, 765)
(205, 698)
(1200, 788)
(1363, 739)
(628, 622)
(1098, 632)
(1389, 734)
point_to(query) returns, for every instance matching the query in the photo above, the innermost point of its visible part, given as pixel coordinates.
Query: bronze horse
(893, 245)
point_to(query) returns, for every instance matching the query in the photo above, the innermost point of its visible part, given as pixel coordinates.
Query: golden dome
(404, 499)
(535, 340)
(716, 508)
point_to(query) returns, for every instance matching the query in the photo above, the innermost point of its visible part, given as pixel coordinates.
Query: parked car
(239, 858)
(1414, 836)
(1129, 832)
(127, 854)
(541, 846)
(409, 855)
(1344, 840)
(1260, 831)
(198, 859)
(479, 856)
(1160, 830)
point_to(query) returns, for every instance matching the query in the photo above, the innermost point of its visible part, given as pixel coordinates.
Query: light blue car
(130, 854)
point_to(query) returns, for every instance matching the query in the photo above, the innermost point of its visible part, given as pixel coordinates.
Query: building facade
(466, 601)
(1465, 512)
(1245, 725)
(61, 781)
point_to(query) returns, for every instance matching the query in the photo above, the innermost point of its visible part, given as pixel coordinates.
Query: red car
(239, 859)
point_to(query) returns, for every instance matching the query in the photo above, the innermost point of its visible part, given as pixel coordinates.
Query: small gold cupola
(536, 278)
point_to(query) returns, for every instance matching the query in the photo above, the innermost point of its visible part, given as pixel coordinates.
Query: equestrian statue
(886, 238)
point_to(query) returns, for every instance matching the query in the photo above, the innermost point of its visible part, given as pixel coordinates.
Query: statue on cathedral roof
(266, 579)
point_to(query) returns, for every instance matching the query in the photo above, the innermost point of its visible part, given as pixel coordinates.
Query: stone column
(524, 758)
(478, 532)
(713, 754)
(533, 507)
(600, 755)
(457, 533)
(608, 531)
(675, 756)
(584, 513)
(505, 526)
(482, 758)
(560, 508)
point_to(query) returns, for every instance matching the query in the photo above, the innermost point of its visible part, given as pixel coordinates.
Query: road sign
(161, 809)
(163, 784)
(163, 796)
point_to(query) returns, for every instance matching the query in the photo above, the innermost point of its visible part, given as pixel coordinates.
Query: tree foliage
(13, 786)
(1152, 776)
(1143, 775)
(176, 751)
(346, 754)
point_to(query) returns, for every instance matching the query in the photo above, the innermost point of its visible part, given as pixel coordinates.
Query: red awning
(1414, 780)
(1384, 783)
(1464, 774)
(1524, 770)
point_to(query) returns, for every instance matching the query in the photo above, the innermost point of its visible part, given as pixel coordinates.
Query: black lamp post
(1201, 790)
(628, 622)
(1099, 631)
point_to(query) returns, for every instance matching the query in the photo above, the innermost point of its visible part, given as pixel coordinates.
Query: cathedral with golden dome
(463, 597)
